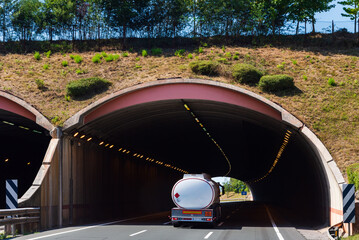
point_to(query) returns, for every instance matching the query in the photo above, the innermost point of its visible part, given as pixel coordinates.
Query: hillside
(332, 112)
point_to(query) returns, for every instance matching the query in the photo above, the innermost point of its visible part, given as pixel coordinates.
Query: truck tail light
(174, 219)
(208, 219)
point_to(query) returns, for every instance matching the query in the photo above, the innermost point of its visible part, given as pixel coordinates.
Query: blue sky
(333, 14)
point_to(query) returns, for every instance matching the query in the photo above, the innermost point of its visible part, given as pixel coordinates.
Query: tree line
(28, 20)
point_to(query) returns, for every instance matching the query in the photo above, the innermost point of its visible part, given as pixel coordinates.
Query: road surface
(246, 220)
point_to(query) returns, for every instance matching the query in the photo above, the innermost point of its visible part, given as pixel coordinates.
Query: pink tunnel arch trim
(182, 91)
(13, 107)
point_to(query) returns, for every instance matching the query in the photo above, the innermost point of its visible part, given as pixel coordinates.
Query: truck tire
(176, 224)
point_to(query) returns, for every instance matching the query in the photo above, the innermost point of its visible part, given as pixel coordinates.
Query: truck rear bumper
(192, 215)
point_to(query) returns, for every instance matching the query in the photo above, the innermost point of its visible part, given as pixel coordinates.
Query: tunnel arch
(209, 94)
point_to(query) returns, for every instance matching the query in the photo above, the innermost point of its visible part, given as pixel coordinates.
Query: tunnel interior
(195, 136)
(23, 146)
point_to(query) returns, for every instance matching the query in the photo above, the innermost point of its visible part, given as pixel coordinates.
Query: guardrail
(18, 216)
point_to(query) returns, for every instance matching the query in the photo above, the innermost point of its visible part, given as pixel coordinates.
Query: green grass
(85, 86)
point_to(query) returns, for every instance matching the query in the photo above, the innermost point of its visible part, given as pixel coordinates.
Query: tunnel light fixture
(28, 163)
(135, 154)
(128, 152)
(119, 149)
(25, 128)
(83, 136)
(107, 144)
(89, 139)
(9, 123)
(101, 143)
(111, 146)
(6, 160)
(75, 135)
(201, 125)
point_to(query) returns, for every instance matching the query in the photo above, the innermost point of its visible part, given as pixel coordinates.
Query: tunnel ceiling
(166, 131)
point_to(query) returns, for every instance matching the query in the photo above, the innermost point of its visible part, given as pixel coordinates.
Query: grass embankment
(326, 98)
(232, 196)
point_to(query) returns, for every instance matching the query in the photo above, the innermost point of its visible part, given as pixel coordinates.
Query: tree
(26, 17)
(5, 10)
(352, 11)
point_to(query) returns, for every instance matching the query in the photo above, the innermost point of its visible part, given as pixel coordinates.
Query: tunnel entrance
(194, 130)
(23, 146)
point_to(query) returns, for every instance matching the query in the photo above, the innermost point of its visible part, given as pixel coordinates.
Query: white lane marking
(133, 234)
(80, 229)
(274, 225)
(220, 224)
(166, 223)
(208, 235)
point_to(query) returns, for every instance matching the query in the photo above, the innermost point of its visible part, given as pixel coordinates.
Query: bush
(208, 68)
(109, 58)
(180, 52)
(48, 53)
(200, 50)
(82, 87)
(72, 56)
(156, 51)
(104, 54)
(40, 83)
(331, 82)
(37, 56)
(271, 83)
(65, 63)
(235, 57)
(144, 53)
(246, 73)
(222, 60)
(78, 59)
(97, 58)
(190, 56)
(353, 175)
(125, 54)
(46, 66)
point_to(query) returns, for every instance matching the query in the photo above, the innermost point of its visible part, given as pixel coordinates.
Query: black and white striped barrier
(11, 193)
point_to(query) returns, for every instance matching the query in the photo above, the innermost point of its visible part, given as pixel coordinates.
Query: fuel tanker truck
(197, 200)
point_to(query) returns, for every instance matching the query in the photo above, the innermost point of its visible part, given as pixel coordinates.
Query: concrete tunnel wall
(89, 165)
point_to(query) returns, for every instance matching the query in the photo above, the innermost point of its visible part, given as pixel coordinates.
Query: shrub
(104, 54)
(190, 56)
(200, 50)
(48, 53)
(109, 58)
(79, 71)
(305, 77)
(331, 82)
(137, 59)
(65, 63)
(180, 52)
(82, 87)
(137, 66)
(40, 83)
(46, 66)
(246, 73)
(223, 48)
(78, 59)
(125, 54)
(37, 56)
(116, 57)
(208, 68)
(97, 58)
(72, 56)
(144, 53)
(235, 57)
(228, 55)
(353, 175)
(156, 51)
(271, 83)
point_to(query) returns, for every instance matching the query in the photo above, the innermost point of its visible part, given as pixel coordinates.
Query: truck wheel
(176, 224)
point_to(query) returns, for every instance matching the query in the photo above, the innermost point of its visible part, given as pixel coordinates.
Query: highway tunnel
(23, 145)
(170, 131)
(120, 156)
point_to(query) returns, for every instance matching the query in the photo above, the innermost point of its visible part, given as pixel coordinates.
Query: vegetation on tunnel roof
(330, 110)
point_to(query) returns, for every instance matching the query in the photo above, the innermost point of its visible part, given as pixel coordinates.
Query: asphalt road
(246, 220)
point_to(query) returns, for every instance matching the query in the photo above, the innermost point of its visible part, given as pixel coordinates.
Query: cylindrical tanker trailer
(197, 200)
